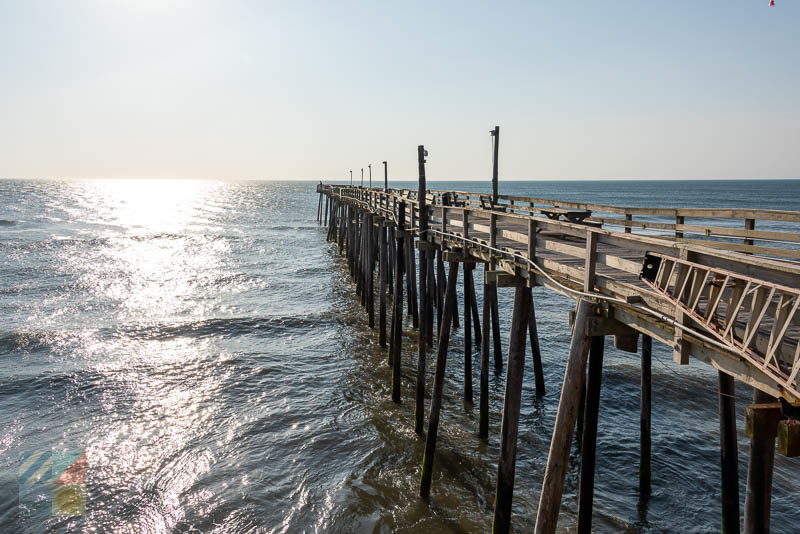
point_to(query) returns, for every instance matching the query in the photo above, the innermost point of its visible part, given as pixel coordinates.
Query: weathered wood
(441, 285)
(370, 272)
(412, 282)
(397, 317)
(758, 499)
(729, 455)
(438, 383)
(468, 295)
(424, 300)
(476, 323)
(589, 442)
(558, 457)
(645, 402)
(509, 425)
(383, 271)
(495, 318)
(483, 416)
(536, 355)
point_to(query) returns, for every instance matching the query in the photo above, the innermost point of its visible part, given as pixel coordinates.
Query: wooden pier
(723, 290)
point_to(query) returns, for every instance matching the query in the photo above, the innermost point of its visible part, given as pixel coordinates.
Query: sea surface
(201, 343)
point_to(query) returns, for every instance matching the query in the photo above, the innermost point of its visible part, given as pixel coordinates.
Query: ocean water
(201, 344)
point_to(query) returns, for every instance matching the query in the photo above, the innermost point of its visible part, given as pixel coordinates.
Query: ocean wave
(7, 222)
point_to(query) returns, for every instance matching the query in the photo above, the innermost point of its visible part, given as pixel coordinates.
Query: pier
(715, 285)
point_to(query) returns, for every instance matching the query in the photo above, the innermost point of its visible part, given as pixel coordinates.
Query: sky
(235, 89)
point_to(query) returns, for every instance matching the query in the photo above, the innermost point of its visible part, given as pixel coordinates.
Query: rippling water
(201, 343)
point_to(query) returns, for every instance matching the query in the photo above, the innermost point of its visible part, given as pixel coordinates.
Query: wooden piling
(536, 354)
(498, 348)
(424, 299)
(370, 272)
(383, 270)
(438, 383)
(483, 416)
(645, 401)
(476, 323)
(558, 457)
(589, 443)
(468, 291)
(511, 408)
(397, 316)
(758, 499)
(729, 455)
(412, 281)
(441, 284)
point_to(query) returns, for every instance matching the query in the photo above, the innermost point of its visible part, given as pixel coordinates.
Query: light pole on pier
(351, 178)
(370, 175)
(362, 176)
(385, 177)
(495, 148)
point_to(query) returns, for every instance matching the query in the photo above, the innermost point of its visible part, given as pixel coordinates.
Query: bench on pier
(487, 204)
(571, 215)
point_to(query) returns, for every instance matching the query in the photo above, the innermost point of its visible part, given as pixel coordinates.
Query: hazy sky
(307, 90)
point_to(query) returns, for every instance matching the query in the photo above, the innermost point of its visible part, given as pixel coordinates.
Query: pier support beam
(397, 316)
(509, 426)
(536, 355)
(384, 270)
(589, 443)
(729, 455)
(469, 292)
(758, 500)
(483, 417)
(574, 380)
(426, 312)
(645, 402)
(438, 383)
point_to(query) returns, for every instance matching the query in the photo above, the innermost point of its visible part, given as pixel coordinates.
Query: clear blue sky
(307, 90)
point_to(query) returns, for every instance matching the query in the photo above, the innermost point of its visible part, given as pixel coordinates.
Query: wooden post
(441, 284)
(645, 442)
(490, 292)
(511, 408)
(758, 499)
(495, 154)
(385, 177)
(558, 458)
(412, 278)
(476, 323)
(536, 354)
(431, 295)
(383, 268)
(483, 422)
(628, 218)
(425, 299)
(468, 291)
(438, 383)
(397, 317)
(371, 272)
(589, 443)
(729, 455)
(679, 219)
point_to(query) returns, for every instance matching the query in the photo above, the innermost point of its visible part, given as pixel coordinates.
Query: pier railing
(600, 255)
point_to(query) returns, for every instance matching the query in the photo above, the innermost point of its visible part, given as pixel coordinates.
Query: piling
(589, 443)
(758, 499)
(438, 383)
(645, 401)
(558, 457)
(729, 455)
(511, 408)
(397, 305)
(424, 296)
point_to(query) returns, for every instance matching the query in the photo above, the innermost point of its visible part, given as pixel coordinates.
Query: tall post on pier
(425, 299)
(370, 175)
(495, 152)
(385, 177)
(384, 270)
(351, 178)
(362, 176)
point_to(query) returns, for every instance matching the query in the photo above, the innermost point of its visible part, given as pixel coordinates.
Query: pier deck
(724, 290)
